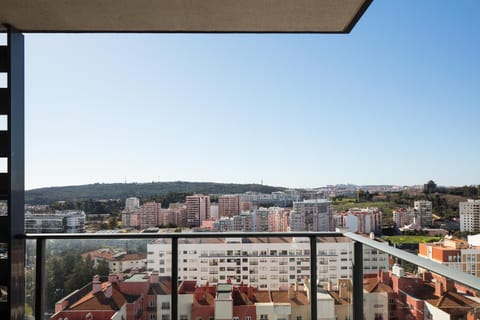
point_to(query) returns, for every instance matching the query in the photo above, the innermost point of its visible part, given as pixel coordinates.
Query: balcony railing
(357, 268)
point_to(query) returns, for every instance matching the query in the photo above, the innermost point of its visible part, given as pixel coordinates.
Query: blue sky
(394, 102)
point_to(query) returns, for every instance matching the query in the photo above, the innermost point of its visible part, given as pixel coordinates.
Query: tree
(102, 268)
(112, 223)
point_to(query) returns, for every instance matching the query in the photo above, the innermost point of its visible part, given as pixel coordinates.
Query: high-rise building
(244, 222)
(297, 221)
(278, 219)
(470, 215)
(424, 212)
(228, 205)
(429, 187)
(148, 215)
(198, 209)
(403, 217)
(260, 220)
(132, 204)
(318, 214)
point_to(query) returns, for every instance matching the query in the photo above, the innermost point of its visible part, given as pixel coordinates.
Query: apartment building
(360, 220)
(423, 210)
(278, 219)
(151, 214)
(118, 261)
(454, 253)
(69, 221)
(228, 205)
(132, 204)
(470, 215)
(198, 209)
(274, 199)
(404, 216)
(256, 221)
(318, 214)
(265, 263)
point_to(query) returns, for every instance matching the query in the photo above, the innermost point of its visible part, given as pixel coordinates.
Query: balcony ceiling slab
(319, 16)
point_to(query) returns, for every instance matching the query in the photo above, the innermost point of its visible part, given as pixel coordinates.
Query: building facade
(228, 205)
(198, 209)
(360, 220)
(470, 215)
(318, 214)
(423, 210)
(69, 221)
(264, 263)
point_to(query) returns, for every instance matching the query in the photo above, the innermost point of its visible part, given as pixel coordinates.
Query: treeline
(445, 201)
(99, 191)
(91, 206)
(69, 272)
(114, 207)
(169, 197)
(465, 191)
(66, 271)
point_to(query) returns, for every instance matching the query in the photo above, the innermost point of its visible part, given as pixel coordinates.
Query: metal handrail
(43, 237)
(438, 268)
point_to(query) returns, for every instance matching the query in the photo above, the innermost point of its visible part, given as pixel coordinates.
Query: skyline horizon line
(252, 183)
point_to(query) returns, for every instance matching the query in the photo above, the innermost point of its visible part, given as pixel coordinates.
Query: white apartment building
(360, 220)
(470, 215)
(271, 264)
(68, 221)
(132, 204)
(278, 198)
(256, 221)
(424, 212)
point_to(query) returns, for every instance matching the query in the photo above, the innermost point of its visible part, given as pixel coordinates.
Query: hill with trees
(104, 191)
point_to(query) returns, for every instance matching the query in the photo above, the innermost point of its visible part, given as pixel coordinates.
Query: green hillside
(100, 191)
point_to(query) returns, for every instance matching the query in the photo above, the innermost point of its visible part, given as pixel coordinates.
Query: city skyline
(390, 103)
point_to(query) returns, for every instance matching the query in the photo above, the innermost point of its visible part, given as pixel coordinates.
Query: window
(378, 316)
(165, 317)
(264, 317)
(247, 318)
(152, 316)
(165, 305)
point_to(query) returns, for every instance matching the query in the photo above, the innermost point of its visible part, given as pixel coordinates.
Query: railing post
(12, 188)
(313, 277)
(40, 279)
(174, 266)
(357, 281)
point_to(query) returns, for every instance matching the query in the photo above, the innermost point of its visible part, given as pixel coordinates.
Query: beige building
(228, 205)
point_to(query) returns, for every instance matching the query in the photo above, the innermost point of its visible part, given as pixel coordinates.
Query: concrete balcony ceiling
(322, 16)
